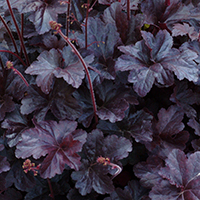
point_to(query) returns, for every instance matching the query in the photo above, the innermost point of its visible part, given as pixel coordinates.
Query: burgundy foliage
(111, 106)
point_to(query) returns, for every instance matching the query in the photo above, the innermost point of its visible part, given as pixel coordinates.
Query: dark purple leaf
(11, 194)
(30, 104)
(84, 100)
(147, 61)
(49, 65)
(183, 65)
(196, 144)
(148, 171)
(170, 121)
(4, 164)
(184, 29)
(60, 101)
(182, 173)
(40, 191)
(63, 104)
(102, 42)
(41, 12)
(75, 195)
(6, 105)
(94, 175)
(102, 37)
(2, 183)
(114, 14)
(133, 3)
(46, 66)
(19, 178)
(193, 46)
(138, 125)
(166, 191)
(51, 41)
(15, 86)
(54, 140)
(14, 123)
(158, 12)
(169, 133)
(195, 125)
(133, 191)
(113, 147)
(114, 103)
(134, 32)
(184, 97)
(73, 71)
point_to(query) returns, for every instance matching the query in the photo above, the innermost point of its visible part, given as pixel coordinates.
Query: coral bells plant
(99, 99)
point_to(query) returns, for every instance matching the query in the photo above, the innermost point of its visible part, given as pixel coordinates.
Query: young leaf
(55, 140)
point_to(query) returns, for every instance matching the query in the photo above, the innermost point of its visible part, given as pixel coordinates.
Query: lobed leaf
(54, 140)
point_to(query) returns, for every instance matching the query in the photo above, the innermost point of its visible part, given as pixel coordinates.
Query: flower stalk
(18, 32)
(56, 26)
(106, 161)
(9, 65)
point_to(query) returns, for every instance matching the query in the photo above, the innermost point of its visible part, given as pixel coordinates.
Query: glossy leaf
(54, 140)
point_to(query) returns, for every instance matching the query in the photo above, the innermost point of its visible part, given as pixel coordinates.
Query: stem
(10, 34)
(7, 51)
(22, 30)
(18, 32)
(10, 66)
(50, 187)
(86, 70)
(67, 18)
(92, 6)
(1, 63)
(86, 21)
(119, 169)
(128, 10)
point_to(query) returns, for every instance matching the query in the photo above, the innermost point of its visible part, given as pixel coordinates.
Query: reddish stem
(55, 26)
(1, 63)
(10, 66)
(68, 18)
(92, 6)
(10, 34)
(7, 51)
(128, 10)
(22, 30)
(86, 21)
(18, 32)
(86, 70)
(50, 187)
